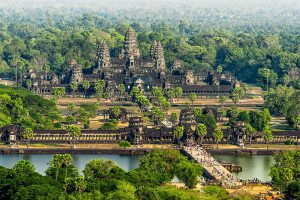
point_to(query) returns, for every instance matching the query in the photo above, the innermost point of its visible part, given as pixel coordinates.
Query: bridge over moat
(212, 168)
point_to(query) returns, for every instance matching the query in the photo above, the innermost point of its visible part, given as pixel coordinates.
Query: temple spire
(103, 57)
(153, 48)
(159, 56)
(130, 45)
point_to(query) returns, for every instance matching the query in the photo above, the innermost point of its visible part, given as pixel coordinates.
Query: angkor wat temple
(132, 69)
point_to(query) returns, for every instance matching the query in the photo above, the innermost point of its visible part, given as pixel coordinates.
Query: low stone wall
(128, 151)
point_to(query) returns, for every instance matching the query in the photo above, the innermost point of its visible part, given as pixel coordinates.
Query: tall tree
(178, 92)
(250, 131)
(222, 100)
(74, 86)
(268, 136)
(201, 131)
(27, 135)
(192, 98)
(73, 132)
(218, 135)
(86, 86)
(178, 133)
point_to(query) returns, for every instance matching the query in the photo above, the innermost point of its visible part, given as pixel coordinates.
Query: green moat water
(254, 166)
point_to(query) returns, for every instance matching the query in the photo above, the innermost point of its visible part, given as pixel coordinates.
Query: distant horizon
(121, 4)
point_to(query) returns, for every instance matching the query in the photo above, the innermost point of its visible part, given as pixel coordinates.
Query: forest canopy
(40, 36)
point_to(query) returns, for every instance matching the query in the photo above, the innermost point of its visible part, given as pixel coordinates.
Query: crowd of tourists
(213, 167)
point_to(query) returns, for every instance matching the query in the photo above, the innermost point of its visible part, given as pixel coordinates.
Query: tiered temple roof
(103, 55)
(130, 45)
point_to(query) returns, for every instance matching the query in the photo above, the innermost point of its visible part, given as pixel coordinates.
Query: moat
(254, 166)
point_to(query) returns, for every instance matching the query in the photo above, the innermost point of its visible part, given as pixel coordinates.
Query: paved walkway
(212, 167)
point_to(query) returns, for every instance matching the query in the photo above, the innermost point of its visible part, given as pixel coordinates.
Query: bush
(109, 126)
(124, 144)
(289, 142)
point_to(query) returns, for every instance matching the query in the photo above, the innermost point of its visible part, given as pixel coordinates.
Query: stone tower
(76, 72)
(153, 48)
(176, 67)
(189, 77)
(159, 57)
(130, 46)
(103, 57)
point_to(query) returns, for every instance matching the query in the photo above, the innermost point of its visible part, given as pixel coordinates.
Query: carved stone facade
(103, 57)
(76, 72)
(132, 69)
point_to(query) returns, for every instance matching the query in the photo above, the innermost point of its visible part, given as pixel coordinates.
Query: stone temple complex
(132, 69)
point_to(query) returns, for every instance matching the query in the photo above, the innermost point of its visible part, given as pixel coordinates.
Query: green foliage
(208, 120)
(157, 166)
(23, 167)
(32, 111)
(171, 192)
(293, 190)
(100, 169)
(58, 91)
(75, 184)
(285, 171)
(237, 94)
(157, 115)
(116, 111)
(27, 134)
(268, 136)
(109, 126)
(192, 97)
(189, 173)
(178, 92)
(293, 113)
(74, 86)
(124, 144)
(174, 118)
(74, 132)
(125, 191)
(215, 191)
(61, 167)
(201, 130)
(218, 135)
(243, 116)
(259, 120)
(103, 179)
(178, 132)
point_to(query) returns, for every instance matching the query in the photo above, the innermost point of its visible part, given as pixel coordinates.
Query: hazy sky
(119, 4)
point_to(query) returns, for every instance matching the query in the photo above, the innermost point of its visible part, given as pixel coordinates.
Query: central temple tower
(130, 46)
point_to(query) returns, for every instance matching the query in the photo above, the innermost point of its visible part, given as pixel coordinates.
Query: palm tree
(218, 135)
(249, 132)
(201, 131)
(178, 133)
(74, 86)
(73, 132)
(66, 162)
(86, 86)
(56, 163)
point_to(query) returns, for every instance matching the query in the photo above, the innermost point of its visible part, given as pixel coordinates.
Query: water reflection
(254, 166)
(40, 161)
